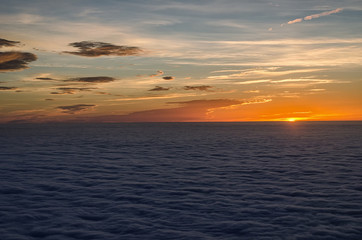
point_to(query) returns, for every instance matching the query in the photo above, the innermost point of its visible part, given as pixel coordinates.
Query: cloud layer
(97, 49)
(194, 110)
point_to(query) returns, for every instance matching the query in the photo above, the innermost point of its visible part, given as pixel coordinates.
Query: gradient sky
(158, 60)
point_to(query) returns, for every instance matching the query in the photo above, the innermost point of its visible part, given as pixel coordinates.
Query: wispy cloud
(318, 15)
(255, 73)
(310, 17)
(97, 49)
(167, 96)
(295, 21)
(239, 104)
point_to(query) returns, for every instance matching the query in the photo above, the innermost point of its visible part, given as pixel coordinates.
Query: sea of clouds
(181, 181)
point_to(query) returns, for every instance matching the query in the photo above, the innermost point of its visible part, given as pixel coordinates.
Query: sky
(171, 61)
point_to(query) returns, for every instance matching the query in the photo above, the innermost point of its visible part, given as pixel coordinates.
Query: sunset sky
(158, 60)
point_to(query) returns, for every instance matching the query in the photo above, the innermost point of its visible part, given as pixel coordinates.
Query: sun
(291, 119)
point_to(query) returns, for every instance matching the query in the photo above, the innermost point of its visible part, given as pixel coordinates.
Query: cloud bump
(97, 49)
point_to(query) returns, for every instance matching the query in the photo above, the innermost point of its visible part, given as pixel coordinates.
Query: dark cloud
(158, 88)
(69, 90)
(7, 88)
(45, 78)
(12, 61)
(97, 49)
(100, 79)
(201, 88)
(8, 43)
(75, 108)
(168, 78)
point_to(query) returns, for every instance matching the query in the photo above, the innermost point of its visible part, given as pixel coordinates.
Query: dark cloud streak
(158, 88)
(8, 43)
(97, 49)
(75, 108)
(200, 88)
(7, 88)
(168, 78)
(69, 90)
(100, 79)
(45, 78)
